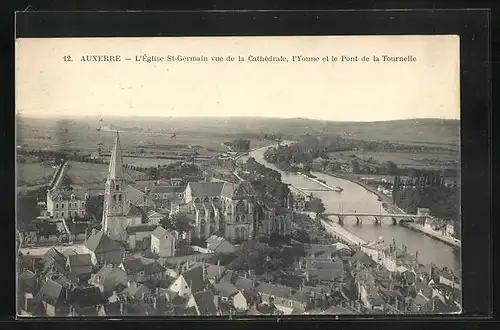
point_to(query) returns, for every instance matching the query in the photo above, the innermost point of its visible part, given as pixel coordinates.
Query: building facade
(64, 204)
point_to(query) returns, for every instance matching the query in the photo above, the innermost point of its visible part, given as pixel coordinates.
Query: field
(53, 134)
(431, 161)
(31, 174)
(147, 162)
(82, 174)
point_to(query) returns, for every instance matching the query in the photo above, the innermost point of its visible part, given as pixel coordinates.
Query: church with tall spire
(118, 211)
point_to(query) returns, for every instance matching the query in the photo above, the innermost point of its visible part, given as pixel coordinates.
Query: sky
(48, 86)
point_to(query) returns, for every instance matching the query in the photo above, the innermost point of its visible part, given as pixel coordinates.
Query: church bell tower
(114, 194)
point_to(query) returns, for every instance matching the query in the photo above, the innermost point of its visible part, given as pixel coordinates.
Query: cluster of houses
(99, 278)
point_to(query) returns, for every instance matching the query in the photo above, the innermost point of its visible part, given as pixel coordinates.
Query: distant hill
(438, 132)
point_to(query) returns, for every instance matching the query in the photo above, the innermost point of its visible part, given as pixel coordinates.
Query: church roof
(116, 162)
(205, 189)
(100, 242)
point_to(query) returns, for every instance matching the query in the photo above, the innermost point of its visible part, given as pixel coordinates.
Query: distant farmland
(31, 174)
(85, 173)
(148, 162)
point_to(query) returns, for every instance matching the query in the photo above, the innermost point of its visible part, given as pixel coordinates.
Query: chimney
(216, 301)
(121, 307)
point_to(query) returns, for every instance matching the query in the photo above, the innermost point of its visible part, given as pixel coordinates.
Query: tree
(316, 205)
(94, 207)
(392, 168)
(181, 223)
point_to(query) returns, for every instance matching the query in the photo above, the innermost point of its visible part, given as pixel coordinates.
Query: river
(355, 198)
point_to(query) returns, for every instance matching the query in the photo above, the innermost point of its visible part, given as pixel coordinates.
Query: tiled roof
(77, 260)
(135, 211)
(86, 297)
(219, 244)
(100, 242)
(169, 190)
(212, 271)
(194, 278)
(154, 214)
(337, 310)
(225, 289)
(149, 266)
(50, 292)
(143, 228)
(160, 232)
(274, 289)
(77, 228)
(205, 302)
(244, 283)
(66, 194)
(206, 189)
(110, 277)
(54, 258)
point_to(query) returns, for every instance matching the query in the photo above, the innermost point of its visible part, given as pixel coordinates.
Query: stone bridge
(396, 217)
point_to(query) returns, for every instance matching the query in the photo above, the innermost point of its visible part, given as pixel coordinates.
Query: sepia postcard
(238, 176)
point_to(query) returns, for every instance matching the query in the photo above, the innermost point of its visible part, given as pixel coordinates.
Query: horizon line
(227, 117)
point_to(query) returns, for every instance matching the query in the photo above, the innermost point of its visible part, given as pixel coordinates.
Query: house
(163, 242)
(51, 296)
(212, 273)
(27, 282)
(53, 260)
(154, 218)
(138, 235)
(140, 269)
(136, 292)
(103, 249)
(110, 279)
(216, 244)
(449, 279)
(320, 271)
(368, 293)
(86, 301)
(169, 197)
(66, 204)
(423, 211)
(77, 229)
(240, 301)
(280, 296)
(450, 229)
(205, 303)
(79, 265)
(49, 231)
(225, 291)
(190, 281)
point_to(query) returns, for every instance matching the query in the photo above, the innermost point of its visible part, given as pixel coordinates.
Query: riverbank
(342, 233)
(434, 234)
(389, 205)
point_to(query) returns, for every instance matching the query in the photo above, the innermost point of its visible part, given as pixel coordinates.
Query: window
(57, 205)
(165, 196)
(62, 205)
(156, 196)
(181, 195)
(291, 303)
(62, 214)
(119, 198)
(72, 197)
(83, 204)
(83, 212)
(57, 214)
(117, 187)
(60, 198)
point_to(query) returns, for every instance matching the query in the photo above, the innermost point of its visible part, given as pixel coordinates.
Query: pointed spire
(116, 162)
